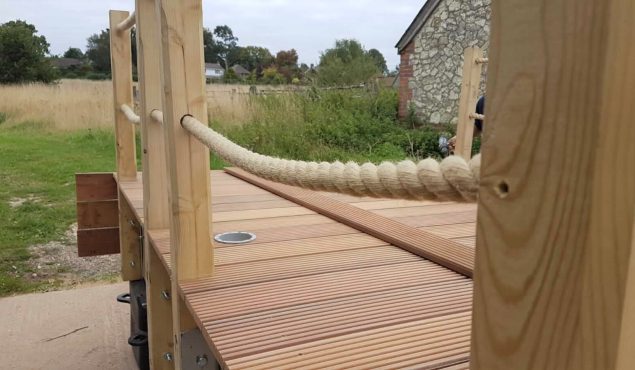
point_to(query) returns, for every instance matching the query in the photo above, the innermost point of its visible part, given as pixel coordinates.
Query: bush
(333, 125)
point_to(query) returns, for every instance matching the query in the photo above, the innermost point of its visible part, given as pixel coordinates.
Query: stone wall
(437, 60)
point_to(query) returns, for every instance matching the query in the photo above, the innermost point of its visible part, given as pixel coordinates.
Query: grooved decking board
(311, 292)
(446, 252)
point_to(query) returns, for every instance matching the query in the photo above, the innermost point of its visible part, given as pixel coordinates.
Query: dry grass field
(79, 104)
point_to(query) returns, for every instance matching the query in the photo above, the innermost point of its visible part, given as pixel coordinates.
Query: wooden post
(467, 101)
(121, 68)
(155, 182)
(187, 159)
(554, 258)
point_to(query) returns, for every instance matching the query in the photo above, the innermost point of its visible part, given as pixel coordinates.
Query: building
(214, 70)
(431, 53)
(240, 71)
(67, 63)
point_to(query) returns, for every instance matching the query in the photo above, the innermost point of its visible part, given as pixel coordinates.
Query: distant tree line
(24, 57)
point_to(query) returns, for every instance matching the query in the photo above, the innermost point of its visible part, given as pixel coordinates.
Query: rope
(130, 114)
(127, 23)
(482, 60)
(477, 116)
(453, 179)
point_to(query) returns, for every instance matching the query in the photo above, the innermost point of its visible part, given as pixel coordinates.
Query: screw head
(168, 357)
(201, 360)
(132, 264)
(165, 294)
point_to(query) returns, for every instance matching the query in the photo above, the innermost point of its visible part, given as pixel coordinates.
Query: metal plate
(235, 237)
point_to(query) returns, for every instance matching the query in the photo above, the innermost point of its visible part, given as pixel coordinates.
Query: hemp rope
(130, 114)
(453, 179)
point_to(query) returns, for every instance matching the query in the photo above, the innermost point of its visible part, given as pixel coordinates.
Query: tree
(74, 53)
(379, 60)
(253, 58)
(287, 64)
(23, 54)
(225, 42)
(209, 46)
(98, 50)
(345, 64)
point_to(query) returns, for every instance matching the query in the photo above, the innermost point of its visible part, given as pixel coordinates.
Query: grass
(40, 155)
(38, 167)
(81, 104)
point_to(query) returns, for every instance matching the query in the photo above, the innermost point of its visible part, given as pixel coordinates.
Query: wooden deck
(311, 292)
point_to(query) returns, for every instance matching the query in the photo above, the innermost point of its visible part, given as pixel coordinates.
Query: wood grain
(555, 218)
(467, 101)
(97, 242)
(121, 68)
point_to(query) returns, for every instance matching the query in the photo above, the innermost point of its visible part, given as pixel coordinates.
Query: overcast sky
(308, 26)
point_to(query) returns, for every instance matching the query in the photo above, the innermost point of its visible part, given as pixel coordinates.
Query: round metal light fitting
(235, 237)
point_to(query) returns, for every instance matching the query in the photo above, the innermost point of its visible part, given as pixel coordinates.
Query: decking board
(311, 292)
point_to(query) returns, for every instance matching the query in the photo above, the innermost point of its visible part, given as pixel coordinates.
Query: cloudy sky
(308, 26)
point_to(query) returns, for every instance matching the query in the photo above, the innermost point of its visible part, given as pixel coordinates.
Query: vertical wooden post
(467, 101)
(155, 182)
(121, 68)
(187, 159)
(557, 197)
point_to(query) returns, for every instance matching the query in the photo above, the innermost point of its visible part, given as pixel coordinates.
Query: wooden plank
(188, 161)
(555, 219)
(97, 242)
(97, 214)
(155, 181)
(121, 68)
(421, 339)
(95, 187)
(467, 101)
(158, 284)
(130, 243)
(452, 255)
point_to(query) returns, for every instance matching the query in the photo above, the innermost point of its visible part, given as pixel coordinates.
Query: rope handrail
(477, 116)
(127, 23)
(130, 114)
(482, 60)
(453, 179)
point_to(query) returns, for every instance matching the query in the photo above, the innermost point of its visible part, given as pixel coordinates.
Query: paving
(84, 328)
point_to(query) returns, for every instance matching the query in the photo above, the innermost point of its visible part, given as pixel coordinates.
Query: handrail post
(467, 101)
(155, 183)
(183, 87)
(121, 69)
(554, 284)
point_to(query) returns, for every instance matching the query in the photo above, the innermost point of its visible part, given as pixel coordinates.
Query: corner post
(467, 101)
(121, 70)
(183, 87)
(554, 264)
(155, 184)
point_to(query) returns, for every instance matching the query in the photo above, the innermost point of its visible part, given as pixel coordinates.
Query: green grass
(39, 166)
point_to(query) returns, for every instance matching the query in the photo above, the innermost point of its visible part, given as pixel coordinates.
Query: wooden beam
(557, 196)
(155, 181)
(129, 242)
(183, 87)
(467, 101)
(159, 299)
(121, 68)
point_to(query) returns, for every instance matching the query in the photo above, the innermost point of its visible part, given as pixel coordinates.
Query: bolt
(165, 294)
(167, 356)
(201, 360)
